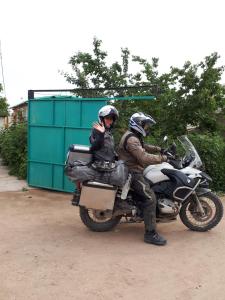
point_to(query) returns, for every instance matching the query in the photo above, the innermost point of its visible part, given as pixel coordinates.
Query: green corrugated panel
(54, 124)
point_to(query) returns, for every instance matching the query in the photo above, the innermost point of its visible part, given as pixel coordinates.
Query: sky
(39, 37)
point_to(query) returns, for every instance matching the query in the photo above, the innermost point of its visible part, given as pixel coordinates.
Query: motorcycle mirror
(173, 148)
(165, 138)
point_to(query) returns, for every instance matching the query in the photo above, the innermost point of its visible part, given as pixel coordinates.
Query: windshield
(191, 155)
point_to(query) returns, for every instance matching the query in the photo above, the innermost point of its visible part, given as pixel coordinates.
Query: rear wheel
(97, 220)
(192, 217)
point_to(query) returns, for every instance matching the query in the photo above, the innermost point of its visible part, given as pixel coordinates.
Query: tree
(3, 105)
(190, 95)
(198, 93)
(92, 71)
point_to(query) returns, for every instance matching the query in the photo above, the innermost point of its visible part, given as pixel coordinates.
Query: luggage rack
(99, 184)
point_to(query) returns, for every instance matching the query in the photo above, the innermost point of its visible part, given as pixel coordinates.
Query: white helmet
(138, 121)
(108, 110)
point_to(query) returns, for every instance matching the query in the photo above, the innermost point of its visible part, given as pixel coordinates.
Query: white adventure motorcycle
(180, 187)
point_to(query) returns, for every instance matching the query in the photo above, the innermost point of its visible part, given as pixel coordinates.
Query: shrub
(211, 149)
(13, 149)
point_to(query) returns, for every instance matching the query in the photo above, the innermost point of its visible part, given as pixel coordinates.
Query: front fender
(202, 191)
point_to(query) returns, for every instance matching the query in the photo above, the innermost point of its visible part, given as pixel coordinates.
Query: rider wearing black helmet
(138, 155)
(101, 139)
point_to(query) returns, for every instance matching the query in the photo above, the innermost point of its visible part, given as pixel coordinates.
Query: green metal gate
(53, 124)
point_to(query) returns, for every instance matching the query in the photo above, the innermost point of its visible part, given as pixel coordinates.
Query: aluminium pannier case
(78, 153)
(98, 196)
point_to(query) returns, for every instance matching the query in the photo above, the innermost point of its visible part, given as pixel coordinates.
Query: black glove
(168, 154)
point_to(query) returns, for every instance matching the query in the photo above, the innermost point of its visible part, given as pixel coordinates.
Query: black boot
(152, 237)
(76, 199)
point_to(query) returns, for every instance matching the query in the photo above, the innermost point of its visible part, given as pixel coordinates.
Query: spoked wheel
(98, 220)
(195, 220)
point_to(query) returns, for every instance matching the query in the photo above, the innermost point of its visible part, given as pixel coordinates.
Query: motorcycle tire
(202, 224)
(94, 225)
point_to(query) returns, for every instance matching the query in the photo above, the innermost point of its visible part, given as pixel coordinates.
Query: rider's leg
(148, 201)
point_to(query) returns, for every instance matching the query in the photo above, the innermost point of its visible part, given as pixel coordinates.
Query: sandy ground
(47, 253)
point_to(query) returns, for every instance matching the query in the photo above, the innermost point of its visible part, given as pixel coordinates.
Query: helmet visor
(147, 129)
(147, 124)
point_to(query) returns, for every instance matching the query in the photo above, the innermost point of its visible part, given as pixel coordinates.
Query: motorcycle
(179, 186)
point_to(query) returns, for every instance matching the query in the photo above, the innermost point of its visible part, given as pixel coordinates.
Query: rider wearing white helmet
(138, 155)
(101, 139)
(141, 123)
(108, 111)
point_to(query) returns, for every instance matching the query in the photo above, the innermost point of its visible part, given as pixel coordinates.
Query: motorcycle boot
(76, 198)
(152, 237)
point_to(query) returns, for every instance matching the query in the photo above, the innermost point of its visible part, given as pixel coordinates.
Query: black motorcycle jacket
(102, 146)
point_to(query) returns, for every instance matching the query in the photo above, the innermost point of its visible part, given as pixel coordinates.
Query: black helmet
(138, 122)
(108, 110)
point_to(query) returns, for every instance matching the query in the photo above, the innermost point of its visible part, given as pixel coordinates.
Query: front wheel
(97, 220)
(194, 220)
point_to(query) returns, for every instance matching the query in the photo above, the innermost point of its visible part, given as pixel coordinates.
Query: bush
(13, 149)
(211, 149)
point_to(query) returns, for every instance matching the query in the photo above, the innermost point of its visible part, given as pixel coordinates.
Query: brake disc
(197, 215)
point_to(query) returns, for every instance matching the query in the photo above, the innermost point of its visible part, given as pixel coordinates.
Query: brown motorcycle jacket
(136, 154)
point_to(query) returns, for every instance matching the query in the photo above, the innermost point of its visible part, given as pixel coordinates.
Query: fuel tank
(154, 174)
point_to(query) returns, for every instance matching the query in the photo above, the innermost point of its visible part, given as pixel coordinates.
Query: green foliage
(3, 105)
(197, 94)
(211, 149)
(13, 149)
(91, 70)
(191, 95)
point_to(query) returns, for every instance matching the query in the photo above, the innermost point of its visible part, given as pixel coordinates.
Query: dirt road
(47, 253)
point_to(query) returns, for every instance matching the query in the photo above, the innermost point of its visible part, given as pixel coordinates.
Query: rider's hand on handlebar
(169, 155)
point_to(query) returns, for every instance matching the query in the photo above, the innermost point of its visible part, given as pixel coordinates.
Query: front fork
(199, 205)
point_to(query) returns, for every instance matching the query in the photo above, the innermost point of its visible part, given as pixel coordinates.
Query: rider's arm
(96, 139)
(135, 148)
(151, 148)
